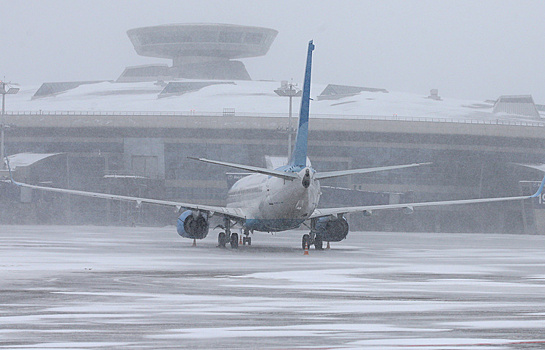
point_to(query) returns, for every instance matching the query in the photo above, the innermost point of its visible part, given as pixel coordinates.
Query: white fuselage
(274, 204)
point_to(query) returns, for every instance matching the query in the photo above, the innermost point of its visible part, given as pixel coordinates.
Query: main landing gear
(247, 239)
(224, 238)
(234, 240)
(231, 238)
(311, 238)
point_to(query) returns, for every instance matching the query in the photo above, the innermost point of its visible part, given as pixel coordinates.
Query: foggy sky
(466, 49)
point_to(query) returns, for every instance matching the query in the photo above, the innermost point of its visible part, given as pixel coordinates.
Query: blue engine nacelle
(193, 224)
(331, 229)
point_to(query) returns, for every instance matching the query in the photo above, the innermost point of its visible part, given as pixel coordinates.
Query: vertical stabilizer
(299, 155)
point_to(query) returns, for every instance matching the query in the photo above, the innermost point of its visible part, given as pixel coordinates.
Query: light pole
(4, 92)
(290, 91)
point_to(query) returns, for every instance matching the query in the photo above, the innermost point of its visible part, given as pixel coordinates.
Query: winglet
(540, 189)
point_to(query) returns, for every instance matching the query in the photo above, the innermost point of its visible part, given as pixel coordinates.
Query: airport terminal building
(133, 137)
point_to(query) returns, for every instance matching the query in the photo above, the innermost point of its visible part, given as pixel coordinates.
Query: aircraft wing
(330, 174)
(409, 206)
(234, 213)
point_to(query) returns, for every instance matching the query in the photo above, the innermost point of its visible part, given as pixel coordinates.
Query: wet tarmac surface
(65, 287)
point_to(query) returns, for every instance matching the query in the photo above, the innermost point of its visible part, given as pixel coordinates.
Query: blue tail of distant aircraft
(299, 155)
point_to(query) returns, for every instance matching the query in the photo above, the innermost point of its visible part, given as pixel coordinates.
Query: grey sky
(466, 49)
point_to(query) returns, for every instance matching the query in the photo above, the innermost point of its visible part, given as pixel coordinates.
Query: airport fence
(428, 119)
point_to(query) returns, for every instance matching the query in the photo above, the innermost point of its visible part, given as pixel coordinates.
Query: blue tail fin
(299, 155)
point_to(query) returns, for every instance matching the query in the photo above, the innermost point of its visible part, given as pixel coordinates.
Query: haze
(466, 49)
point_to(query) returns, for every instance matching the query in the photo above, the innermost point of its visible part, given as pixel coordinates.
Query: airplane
(274, 200)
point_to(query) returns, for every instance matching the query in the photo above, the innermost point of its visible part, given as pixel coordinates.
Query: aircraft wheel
(318, 243)
(234, 240)
(306, 241)
(221, 240)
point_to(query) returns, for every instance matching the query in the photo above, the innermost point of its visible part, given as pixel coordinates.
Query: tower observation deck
(198, 51)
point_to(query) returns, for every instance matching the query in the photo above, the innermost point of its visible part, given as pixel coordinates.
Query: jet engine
(193, 224)
(330, 229)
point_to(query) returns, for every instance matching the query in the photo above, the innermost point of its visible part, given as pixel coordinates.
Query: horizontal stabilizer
(253, 169)
(331, 174)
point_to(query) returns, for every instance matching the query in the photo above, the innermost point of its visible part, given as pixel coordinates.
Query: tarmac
(69, 287)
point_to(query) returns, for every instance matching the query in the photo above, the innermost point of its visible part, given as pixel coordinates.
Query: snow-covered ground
(146, 288)
(255, 98)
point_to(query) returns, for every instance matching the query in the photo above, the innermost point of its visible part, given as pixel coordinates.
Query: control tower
(197, 51)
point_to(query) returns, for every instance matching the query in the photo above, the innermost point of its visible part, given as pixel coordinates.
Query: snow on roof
(250, 97)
